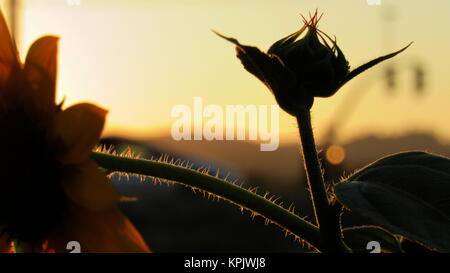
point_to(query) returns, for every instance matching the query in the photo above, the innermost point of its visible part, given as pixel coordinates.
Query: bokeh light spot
(335, 154)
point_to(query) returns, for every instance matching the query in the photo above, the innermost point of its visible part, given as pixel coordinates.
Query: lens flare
(335, 154)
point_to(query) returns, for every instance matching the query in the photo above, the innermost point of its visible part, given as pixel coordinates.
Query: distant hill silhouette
(284, 164)
(367, 149)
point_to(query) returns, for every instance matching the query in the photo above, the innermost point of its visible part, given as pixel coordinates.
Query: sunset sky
(140, 58)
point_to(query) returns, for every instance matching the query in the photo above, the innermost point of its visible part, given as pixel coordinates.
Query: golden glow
(335, 154)
(140, 58)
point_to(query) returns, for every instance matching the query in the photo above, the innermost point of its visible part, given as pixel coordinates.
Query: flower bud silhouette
(318, 67)
(297, 70)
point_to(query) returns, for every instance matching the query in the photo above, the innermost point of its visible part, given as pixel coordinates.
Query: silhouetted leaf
(421, 174)
(358, 237)
(397, 211)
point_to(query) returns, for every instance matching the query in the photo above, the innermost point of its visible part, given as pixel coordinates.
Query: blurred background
(141, 58)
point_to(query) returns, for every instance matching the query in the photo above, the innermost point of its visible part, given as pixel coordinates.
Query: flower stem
(327, 216)
(218, 187)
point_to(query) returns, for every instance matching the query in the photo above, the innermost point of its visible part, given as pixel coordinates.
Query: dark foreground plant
(52, 191)
(406, 196)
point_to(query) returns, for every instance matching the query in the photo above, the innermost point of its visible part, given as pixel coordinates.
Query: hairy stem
(223, 189)
(313, 168)
(327, 217)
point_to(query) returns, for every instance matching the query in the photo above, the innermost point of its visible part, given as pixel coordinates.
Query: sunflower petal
(79, 128)
(8, 51)
(40, 69)
(107, 231)
(88, 187)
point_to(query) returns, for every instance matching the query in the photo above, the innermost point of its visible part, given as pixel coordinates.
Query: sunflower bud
(318, 67)
(297, 70)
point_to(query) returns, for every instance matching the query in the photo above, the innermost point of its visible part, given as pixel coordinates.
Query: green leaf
(397, 211)
(357, 239)
(424, 175)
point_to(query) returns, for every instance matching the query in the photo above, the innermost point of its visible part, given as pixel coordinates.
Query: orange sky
(140, 58)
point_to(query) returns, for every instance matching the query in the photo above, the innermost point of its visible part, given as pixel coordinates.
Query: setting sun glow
(140, 58)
